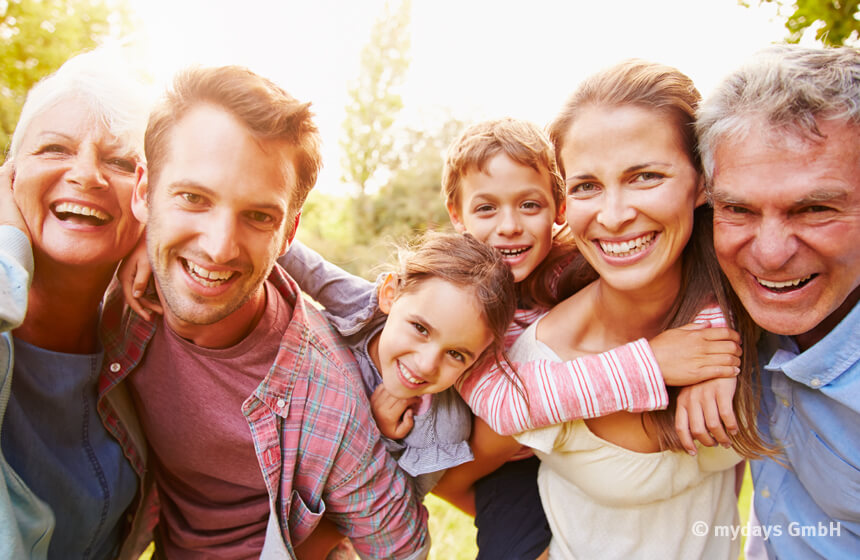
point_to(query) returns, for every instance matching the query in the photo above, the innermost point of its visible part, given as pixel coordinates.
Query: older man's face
(787, 226)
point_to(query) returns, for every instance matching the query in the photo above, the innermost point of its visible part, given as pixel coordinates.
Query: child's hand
(10, 215)
(696, 352)
(393, 415)
(704, 411)
(133, 275)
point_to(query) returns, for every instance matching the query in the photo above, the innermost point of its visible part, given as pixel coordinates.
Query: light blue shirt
(26, 522)
(810, 507)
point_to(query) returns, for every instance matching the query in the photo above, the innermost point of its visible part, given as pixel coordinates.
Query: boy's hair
(666, 90)
(268, 111)
(786, 88)
(521, 141)
(466, 263)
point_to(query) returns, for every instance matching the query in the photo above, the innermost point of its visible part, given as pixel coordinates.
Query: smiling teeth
(408, 376)
(209, 278)
(513, 252)
(782, 285)
(627, 248)
(69, 208)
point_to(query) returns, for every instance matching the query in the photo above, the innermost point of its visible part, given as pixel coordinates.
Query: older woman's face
(73, 183)
(631, 193)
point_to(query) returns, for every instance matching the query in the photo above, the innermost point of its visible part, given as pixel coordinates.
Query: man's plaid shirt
(317, 445)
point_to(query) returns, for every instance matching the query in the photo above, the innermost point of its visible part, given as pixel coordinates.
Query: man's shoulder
(311, 348)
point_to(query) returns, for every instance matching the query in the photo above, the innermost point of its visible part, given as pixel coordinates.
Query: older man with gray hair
(780, 142)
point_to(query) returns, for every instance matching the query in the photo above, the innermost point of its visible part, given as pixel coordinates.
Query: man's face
(787, 226)
(217, 217)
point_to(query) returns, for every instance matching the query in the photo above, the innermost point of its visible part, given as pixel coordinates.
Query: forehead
(73, 118)
(783, 166)
(609, 135)
(211, 147)
(502, 176)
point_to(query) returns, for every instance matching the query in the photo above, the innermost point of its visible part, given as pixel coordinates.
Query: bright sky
(473, 59)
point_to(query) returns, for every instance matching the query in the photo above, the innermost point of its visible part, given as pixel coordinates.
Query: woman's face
(631, 192)
(73, 183)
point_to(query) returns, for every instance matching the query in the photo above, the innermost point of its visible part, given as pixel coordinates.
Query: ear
(456, 220)
(288, 240)
(701, 193)
(559, 215)
(139, 205)
(387, 293)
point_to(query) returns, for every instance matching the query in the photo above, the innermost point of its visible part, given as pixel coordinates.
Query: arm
(16, 256)
(16, 273)
(491, 451)
(349, 300)
(629, 378)
(625, 378)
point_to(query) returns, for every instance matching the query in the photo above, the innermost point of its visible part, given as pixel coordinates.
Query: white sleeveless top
(605, 501)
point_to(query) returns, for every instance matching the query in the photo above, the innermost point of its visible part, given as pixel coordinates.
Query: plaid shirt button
(115, 367)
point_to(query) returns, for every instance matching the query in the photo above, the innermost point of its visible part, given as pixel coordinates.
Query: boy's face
(510, 206)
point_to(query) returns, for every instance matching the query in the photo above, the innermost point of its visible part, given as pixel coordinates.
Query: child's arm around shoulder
(628, 378)
(349, 300)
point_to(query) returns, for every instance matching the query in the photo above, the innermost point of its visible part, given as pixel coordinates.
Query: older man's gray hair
(785, 88)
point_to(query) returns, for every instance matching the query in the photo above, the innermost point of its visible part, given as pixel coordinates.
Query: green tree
(372, 109)
(838, 21)
(37, 36)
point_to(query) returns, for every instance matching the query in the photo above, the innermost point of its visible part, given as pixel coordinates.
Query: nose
(427, 361)
(615, 210)
(85, 171)
(774, 244)
(219, 237)
(509, 223)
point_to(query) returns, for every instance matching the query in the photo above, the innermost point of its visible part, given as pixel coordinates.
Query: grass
(453, 532)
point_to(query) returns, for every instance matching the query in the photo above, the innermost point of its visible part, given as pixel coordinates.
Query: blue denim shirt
(26, 523)
(57, 443)
(810, 507)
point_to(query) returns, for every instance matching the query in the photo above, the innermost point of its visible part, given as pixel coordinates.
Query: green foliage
(839, 18)
(372, 109)
(37, 36)
(409, 202)
(397, 171)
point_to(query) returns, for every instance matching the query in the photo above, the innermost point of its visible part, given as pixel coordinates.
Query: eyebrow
(431, 329)
(631, 169)
(190, 184)
(817, 196)
(109, 145)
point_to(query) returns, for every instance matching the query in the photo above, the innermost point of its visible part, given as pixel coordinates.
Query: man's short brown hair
(268, 111)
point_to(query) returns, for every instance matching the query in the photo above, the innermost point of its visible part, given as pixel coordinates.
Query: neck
(225, 332)
(629, 315)
(63, 307)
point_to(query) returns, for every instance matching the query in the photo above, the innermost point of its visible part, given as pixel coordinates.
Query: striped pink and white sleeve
(626, 378)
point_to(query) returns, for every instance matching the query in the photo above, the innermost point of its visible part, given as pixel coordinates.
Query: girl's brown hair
(666, 90)
(467, 263)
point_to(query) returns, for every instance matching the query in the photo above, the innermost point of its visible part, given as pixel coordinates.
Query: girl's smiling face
(631, 192)
(434, 333)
